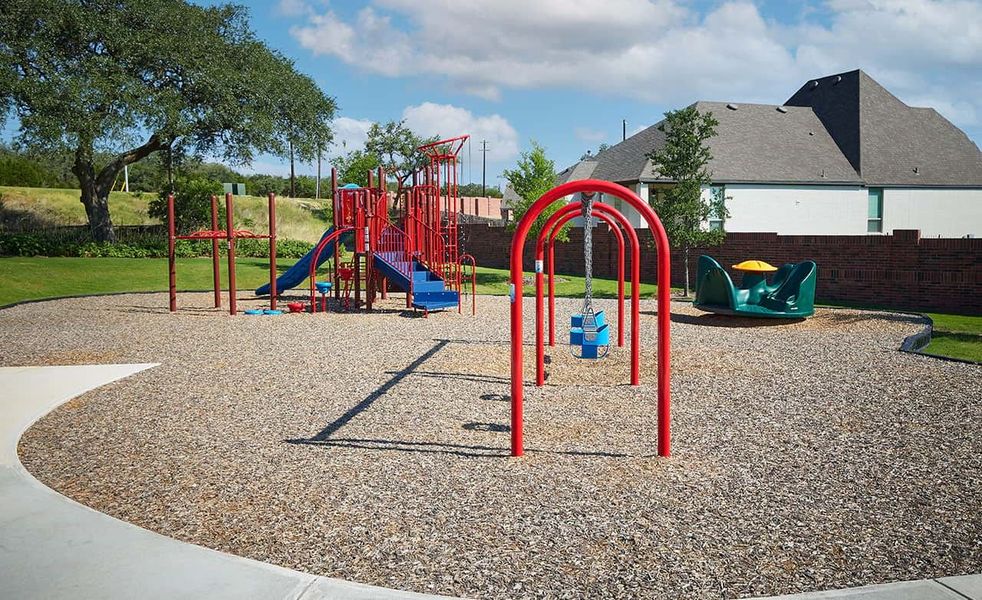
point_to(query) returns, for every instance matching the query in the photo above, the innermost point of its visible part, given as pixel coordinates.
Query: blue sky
(566, 72)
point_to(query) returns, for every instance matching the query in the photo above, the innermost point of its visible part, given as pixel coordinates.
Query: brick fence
(902, 270)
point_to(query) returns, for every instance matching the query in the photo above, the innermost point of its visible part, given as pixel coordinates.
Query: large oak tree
(134, 77)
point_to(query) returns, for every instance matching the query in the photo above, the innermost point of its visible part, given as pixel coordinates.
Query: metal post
(272, 251)
(216, 274)
(171, 258)
(230, 236)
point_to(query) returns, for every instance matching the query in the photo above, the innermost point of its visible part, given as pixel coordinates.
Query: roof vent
(782, 109)
(811, 133)
(732, 106)
(837, 79)
(917, 171)
(813, 84)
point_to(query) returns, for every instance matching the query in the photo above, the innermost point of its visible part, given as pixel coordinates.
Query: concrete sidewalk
(52, 547)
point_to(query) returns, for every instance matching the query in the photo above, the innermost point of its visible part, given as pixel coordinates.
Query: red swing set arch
(664, 299)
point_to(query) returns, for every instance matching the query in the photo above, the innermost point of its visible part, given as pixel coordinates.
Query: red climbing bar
(230, 236)
(171, 259)
(216, 274)
(272, 251)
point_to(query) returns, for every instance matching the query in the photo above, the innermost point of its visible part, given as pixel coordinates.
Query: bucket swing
(589, 336)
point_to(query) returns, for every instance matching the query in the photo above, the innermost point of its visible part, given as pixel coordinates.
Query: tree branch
(108, 173)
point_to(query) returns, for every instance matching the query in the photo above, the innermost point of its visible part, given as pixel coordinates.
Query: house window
(874, 214)
(717, 195)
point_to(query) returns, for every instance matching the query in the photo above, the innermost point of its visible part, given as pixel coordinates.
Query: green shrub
(192, 204)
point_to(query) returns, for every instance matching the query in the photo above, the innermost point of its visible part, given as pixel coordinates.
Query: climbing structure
(411, 246)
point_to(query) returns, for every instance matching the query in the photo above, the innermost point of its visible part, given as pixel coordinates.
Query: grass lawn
(33, 278)
(39, 277)
(956, 336)
(296, 218)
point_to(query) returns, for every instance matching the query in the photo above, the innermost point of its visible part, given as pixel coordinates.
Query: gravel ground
(808, 455)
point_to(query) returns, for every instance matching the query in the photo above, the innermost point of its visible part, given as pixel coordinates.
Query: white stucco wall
(797, 210)
(839, 210)
(946, 213)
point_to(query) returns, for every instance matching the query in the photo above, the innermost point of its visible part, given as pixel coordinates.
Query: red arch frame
(664, 303)
(550, 238)
(335, 235)
(554, 219)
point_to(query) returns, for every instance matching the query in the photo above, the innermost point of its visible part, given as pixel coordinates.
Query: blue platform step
(428, 289)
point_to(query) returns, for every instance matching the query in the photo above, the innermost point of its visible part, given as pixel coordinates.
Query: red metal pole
(664, 306)
(616, 230)
(336, 217)
(171, 258)
(215, 260)
(230, 236)
(549, 231)
(272, 251)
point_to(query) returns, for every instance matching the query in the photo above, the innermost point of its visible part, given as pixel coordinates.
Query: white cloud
(445, 120)
(589, 135)
(293, 8)
(662, 50)
(349, 134)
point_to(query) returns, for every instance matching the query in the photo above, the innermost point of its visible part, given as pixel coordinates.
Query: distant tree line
(27, 169)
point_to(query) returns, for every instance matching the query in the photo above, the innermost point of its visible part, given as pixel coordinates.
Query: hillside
(37, 208)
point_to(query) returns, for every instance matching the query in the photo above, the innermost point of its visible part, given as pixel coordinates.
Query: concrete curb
(53, 547)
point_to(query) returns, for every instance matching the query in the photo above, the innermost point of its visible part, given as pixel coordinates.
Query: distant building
(236, 189)
(841, 156)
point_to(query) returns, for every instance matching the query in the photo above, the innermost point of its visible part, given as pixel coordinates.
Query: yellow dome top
(756, 266)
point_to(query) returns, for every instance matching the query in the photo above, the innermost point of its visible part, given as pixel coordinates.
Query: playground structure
(588, 207)
(230, 235)
(411, 245)
(790, 295)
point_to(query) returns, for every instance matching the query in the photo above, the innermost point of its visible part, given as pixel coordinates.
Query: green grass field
(34, 278)
(37, 277)
(296, 218)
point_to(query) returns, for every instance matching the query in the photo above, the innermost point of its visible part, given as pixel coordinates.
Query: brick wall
(902, 270)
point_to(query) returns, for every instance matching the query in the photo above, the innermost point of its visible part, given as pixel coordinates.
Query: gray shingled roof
(581, 170)
(886, 140)
(853, 132)
(757, 142)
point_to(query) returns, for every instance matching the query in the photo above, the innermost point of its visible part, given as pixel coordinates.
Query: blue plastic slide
(299, 272)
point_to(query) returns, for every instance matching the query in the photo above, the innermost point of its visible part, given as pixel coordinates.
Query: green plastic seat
(790, 295)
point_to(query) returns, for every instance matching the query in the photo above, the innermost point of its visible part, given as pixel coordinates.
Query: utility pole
(484, 167)
(623, 129)
(293, 187)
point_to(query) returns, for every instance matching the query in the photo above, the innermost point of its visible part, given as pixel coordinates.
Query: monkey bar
(230, 234)
(664, 302)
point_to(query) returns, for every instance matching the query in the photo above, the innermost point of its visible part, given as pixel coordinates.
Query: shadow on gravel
(711, 320)
(357, 409)
(461, 376)
(464, 450)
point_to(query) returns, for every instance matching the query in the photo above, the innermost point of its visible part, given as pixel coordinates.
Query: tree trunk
(96, 187)
(94, 199)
